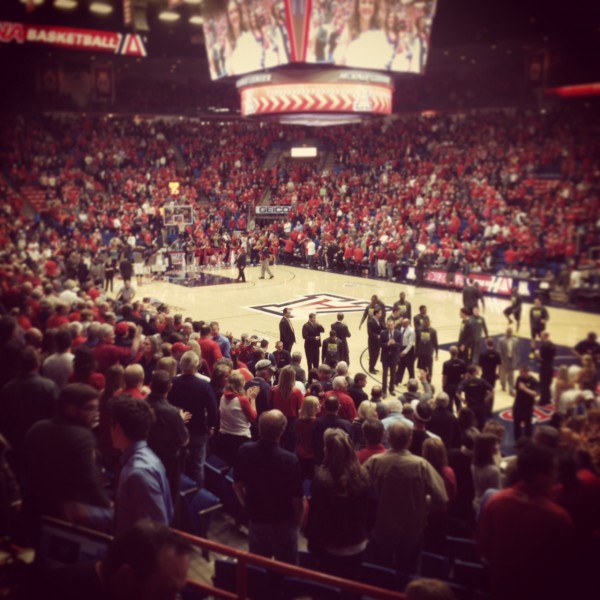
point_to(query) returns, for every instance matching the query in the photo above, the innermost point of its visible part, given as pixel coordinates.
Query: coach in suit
(286, 330)
(390, 340)
(311, 333)
(343, 333)
(508, 347)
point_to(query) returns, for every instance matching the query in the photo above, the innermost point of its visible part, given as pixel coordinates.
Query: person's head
(134, 376)
(537, 302)
(214, 328)
(489, 343)
(472, 371)
(235, 383)
(265, 369)
(168, 364)
(360, 380)
(147, 562)
(296, 357)
(412, 385)
(475, 311)
(524, 370)
(367, 410)
(373, 431)
(464, 313)
(189, 363)
(365, 16)
(341, 368)
(428, 589)
(591, 337)
(312, 317)
(84, 362)
(8, 328)
(331, 404)
(271, 425)
(310, 407)
(376, 393)
(62, 340)
(547, 436)
(545, 336)
(338, 453)
(340, 316)
(324, 372)
(399, 436)
(160, 383)
(422, 413)
(131, 420)
(405, 323)
(287, 379)
(486, 446)
(390, 324)
(434, 451)
(402, 296)
(80, 404)
(219, 376)
(28, 361)
(442, 400)
(394, 406)
(422, 310)
(234, 21)
(339, 383)
(453, 351)
(287, 313)
(536, 467)
(495, 428)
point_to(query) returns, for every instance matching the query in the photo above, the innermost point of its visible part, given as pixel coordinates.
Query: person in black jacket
(343, 333)
(374, 328)
(311, 334)
(240, 263)
(286, 330)
(390, 340)
(466, 337)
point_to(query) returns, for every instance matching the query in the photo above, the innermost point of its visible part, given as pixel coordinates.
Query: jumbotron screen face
(243, 36)
(386, 35)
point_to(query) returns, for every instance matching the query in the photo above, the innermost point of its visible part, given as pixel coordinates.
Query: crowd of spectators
(502, 192)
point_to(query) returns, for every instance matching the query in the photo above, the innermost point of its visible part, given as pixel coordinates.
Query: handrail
(245, 558)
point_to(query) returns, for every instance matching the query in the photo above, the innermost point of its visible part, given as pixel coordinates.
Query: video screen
(243, 36)
(386, 35)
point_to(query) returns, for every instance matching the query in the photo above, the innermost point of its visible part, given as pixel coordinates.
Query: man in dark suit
(286, 330)
(390, 340)
(343, 333)
(374, 328)
(465, 337)
(240, 263)
(311, 334)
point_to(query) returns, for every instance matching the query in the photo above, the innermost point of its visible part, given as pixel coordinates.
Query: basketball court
(255, 307)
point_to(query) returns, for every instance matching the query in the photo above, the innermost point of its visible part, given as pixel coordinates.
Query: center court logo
(317, 303)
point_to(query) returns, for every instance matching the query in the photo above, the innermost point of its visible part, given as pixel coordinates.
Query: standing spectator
(546, 354)
(304, 425)
(195, 396)
(300, 372)
(222, 340)
(59, 460)
(286, 330)
(523, 535)
(443, 423)
(168, 434)
(210, 350)
(331, 406)
(453, 372)
(59, 365)
(238, 411)
(343, 333)
(486, 473)
(508, 348)
(357, 390)
(589, 346)
(127, 293)
(311, 334)
(109, 274)
(274, 511)
(524, 400)
(373, 432)
(406, 487)
(142, 489)
(340, 509)
(287, 399)
(10, 346)
(125, 268)
(472, 296)
(538, 318)
(25, 400)
(107, 353)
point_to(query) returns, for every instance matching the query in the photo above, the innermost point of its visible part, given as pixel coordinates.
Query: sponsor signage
(90, 40)
(272, 210)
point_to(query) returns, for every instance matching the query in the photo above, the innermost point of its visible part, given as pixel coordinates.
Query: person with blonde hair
(366, 410)
(237, 408)
(341, 509)
(303, 431)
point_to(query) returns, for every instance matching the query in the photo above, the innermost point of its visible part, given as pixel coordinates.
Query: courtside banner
(89, 40)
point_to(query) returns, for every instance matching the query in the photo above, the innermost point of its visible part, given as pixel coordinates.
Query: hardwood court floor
(255, 307)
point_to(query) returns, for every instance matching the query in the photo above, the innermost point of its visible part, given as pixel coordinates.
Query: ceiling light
(101, 8)
(35, 2)
(196, 20)
(195, 2)
(65, 4)
(169, 16)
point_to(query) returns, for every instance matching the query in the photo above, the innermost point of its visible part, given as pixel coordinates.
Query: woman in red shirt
(288, 399)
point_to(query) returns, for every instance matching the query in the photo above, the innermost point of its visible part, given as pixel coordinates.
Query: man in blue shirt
(142, 486)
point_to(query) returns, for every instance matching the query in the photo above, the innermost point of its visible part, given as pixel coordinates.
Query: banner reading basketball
(91, 40)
